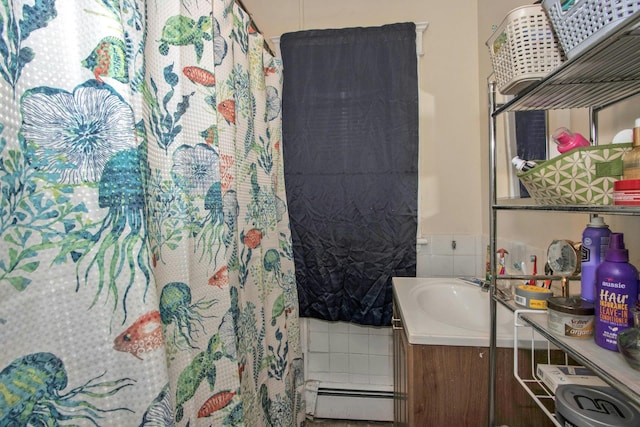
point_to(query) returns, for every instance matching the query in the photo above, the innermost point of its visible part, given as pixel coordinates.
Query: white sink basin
(449, 311)
(455, 304)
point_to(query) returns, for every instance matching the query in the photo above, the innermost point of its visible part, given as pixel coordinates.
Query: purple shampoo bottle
(616, 293)
(595, 242)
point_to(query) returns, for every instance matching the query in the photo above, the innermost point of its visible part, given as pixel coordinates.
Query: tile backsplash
(449, 255)
(345, 353)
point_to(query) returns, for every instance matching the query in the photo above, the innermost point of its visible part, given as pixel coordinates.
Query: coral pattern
(146, 273)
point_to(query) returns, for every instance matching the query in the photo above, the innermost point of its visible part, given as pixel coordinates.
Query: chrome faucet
(482, 284)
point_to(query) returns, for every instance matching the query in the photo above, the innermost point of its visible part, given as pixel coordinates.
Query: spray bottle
(616, 294)
(595, 241)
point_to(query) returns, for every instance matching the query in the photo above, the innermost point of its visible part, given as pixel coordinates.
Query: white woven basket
(523, 49)
(581, 23)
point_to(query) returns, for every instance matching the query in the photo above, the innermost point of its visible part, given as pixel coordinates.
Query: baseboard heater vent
(350, 404)
(339, 392)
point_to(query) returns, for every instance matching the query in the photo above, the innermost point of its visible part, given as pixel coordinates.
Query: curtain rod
(255, 26)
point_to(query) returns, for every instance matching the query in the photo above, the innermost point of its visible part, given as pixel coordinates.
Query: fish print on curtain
(146, 275)
(260, 257)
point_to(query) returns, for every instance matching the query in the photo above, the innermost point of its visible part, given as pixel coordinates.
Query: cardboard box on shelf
(554, 375)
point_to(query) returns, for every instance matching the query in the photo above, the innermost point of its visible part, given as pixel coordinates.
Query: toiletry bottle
(487, 272)
(616, 293)
(631, 159)
(567, 140)
(523, 165)
(595, 241)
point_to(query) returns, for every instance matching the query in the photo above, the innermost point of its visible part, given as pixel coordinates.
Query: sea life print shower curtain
(146, 269)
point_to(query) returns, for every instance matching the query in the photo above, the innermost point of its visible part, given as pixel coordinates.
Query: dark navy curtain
(531, 138)
(350, 144)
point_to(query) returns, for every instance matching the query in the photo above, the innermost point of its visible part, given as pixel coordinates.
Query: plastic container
(595, 241)
(582, 176)
(626, 192)
(631, 160)
(570, 317)
(523, 49)
(533, 297)
(593, 406)
(568, 140)
(580, 24)
(617, 294)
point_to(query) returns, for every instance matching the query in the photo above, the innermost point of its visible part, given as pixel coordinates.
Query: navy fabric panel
(531, 138)
(350, 144)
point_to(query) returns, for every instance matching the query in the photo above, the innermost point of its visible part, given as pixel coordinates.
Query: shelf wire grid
(532, 384)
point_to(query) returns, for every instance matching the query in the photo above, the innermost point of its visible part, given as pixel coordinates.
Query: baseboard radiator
(348, 402)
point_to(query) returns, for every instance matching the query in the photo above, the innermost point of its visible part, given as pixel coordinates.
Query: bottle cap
(562, 136)
(597, 222)
(625, 136)
(517, 162)
(627, 184)
(568, 140)
(523, 165)
(617, 252)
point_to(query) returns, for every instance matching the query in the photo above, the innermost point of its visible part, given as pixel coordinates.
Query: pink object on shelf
(568, 140)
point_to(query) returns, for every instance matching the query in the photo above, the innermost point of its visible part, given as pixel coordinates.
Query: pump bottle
(616, 294)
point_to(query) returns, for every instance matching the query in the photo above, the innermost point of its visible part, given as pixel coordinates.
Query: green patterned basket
(582, 176)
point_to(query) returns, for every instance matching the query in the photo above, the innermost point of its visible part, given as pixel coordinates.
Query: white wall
(450, 141)
(453, 103)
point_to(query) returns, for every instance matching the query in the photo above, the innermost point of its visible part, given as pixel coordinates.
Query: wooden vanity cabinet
(443, 386)
(401, 377)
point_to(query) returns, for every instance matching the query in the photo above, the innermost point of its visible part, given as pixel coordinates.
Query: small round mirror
(563, 257)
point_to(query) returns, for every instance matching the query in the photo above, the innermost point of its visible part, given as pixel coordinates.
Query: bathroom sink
(455, 304)
(449, 311)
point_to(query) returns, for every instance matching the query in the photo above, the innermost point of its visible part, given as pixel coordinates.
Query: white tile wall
(448, 255)
(349, 354)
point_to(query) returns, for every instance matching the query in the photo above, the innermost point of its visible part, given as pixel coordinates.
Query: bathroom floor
(322, 422)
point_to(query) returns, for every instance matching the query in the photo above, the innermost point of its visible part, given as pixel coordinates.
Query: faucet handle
(484, 284)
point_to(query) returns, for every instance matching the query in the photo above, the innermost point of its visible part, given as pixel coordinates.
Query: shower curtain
(146, 269)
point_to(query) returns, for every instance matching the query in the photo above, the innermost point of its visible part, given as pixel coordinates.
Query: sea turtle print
(181, 30)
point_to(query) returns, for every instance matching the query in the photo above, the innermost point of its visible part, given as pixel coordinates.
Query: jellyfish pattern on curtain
(146, 273)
